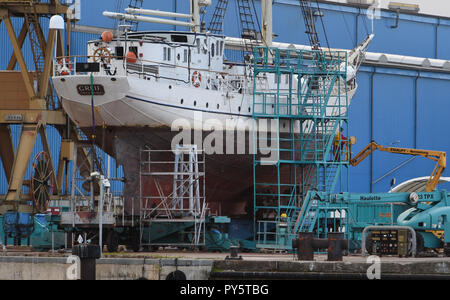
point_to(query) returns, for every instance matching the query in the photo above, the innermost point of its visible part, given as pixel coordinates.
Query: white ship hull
(136, 102)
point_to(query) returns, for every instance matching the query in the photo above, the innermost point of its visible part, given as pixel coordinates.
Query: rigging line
(240, 29)
(92, 109)
(347, 27)
(259, 26)
(202, 19)
(118, 9)
(323, 26)
(365, 24)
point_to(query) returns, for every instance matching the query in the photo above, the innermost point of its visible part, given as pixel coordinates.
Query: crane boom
(439, 156)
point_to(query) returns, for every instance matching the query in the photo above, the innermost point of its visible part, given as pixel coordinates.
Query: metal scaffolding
(172, 195)
(298, 145)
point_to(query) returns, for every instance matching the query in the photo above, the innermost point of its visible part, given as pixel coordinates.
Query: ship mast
(135, 15)
(267, 24)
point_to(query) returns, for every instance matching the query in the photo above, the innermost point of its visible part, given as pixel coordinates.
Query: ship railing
(142, 68)
(275, 234)
(85, 64)
(111, 203)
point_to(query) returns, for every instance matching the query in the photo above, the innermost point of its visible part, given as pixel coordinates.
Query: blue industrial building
(393, 106)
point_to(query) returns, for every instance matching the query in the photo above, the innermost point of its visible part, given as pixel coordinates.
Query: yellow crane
(438, 156)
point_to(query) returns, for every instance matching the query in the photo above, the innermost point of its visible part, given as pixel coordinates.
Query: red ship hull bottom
(229, 177)
(228, 181)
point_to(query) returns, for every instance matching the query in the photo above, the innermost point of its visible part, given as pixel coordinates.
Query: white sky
(431, 7)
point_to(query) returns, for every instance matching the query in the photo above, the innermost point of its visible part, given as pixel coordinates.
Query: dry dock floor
(189, 255)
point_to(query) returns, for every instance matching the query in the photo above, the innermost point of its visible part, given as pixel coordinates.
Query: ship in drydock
(155, 90)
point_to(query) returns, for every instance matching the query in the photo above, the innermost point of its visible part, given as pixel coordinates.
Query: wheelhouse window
(212, 49)
(179, 38)
(134, 50)
(119, 53)
(198, 46)
(167, 54)
(185, 55)
(221, 47)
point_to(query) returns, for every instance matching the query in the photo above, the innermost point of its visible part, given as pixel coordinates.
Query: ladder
(249, 29)
(216, 24)
(308, 17)
(134, 4)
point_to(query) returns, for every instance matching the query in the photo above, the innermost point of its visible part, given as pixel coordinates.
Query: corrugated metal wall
(394, 107)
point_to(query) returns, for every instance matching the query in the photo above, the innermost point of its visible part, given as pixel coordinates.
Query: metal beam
(20, 59)
(46, 147)
(60, 51)
(80, 152)
(68, 34)
(6, 150)
(21, 161)
(18, 9)
(21, 40)
(45, 77)
(60, 173)
(52, 117)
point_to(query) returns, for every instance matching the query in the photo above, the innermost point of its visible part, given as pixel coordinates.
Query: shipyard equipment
(424, 215)
(176, 218)
(438, 156)
(306, 244)
(27, 99)
(298, 150)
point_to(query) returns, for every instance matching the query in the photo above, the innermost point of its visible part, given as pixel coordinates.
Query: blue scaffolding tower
(298, 144)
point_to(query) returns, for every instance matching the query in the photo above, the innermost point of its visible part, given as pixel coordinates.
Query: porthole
(181, 101)
(170, 87)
